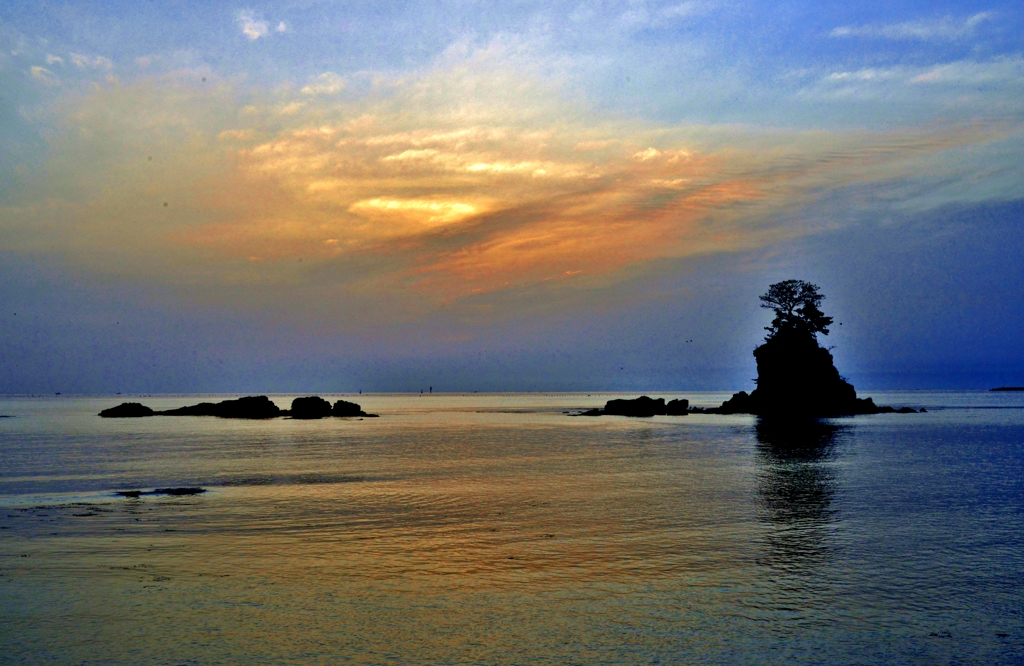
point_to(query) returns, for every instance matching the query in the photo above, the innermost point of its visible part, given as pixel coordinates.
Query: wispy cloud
(999, 71)
(1003, 79)
(327, 83)
(470, 176)
(90, 62)
(54, 60)
(43, 75)
(251, 25)
(639, 16)
(682, 10)
(945, 28)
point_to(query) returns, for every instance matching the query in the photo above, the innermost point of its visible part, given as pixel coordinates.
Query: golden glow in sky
(431, 176)
(470, 176)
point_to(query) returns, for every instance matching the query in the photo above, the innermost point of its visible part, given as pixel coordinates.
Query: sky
(524, 196)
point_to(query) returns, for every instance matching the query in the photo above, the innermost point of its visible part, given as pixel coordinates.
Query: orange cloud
(444, 184)
(484, 207)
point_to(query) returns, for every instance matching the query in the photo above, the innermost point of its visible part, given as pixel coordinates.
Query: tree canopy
(797, 306)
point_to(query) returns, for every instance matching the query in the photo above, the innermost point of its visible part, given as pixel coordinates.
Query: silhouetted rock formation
(641, 407)
(1008, 388)
(127, 410)
(345, 408)
(310, 407)
(680, 407)
(249, 407)
(795, 375)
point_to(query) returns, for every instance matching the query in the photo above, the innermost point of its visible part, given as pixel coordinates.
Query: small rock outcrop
(310, 407)
(346, 408)
(249, 407)
(641, 407)
(127, 410)
(678, 407)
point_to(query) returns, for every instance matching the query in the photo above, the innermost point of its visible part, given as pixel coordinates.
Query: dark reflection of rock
(796, 488)
(177, 492)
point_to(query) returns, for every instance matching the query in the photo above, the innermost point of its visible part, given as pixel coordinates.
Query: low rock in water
(127, 410)
(310, 407)
(346, 408)
(249, 407)
(641, 407)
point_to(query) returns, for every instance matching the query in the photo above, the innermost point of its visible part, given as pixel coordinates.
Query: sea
(501, 529)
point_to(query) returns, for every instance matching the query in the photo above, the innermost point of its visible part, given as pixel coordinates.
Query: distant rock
(201, 409)
(885, 409)
(249, 407)
(642, 407)
(127, 410)
(310, 407)
(345, 408)
(679, 407)
(1008, 388)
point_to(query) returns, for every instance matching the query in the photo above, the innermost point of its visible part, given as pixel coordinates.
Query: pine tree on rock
(797, 306)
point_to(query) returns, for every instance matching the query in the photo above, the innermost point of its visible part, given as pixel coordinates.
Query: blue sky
(519, 196)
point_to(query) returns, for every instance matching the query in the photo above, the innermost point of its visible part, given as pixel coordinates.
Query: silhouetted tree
(797, 306)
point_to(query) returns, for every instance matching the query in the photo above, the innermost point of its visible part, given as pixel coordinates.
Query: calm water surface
(496, 529)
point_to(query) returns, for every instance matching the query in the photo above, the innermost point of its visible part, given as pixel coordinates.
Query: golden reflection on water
(453, 532)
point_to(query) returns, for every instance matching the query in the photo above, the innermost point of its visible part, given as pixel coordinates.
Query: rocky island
(249, 407)
(641, 407)
(796, 376)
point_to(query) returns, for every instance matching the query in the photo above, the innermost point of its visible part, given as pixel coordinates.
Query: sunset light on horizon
(511, 332)
(354, 183)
